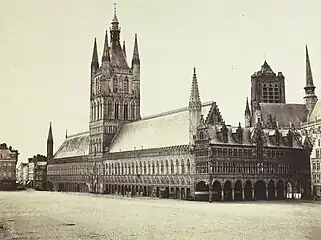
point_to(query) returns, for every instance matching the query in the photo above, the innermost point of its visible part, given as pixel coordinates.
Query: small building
(37, 171)
(8, 162)
(22, 173)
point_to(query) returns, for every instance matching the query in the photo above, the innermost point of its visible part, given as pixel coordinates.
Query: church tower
(114, 89)
(310, 97)
(50, 143)
(247, 114)
(195, 108)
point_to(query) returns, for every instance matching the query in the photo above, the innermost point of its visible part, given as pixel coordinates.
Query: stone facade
(38, 172)
(184, 153)
(8, 162)
(22, 174)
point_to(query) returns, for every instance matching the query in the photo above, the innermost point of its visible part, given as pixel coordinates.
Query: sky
(46, 49)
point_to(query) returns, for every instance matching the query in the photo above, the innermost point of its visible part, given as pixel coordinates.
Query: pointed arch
(116, 109)
(115, 84)
(132, 110)
(125, 110)
(126, 85)
(157, 167)
(133, 168)
(188, 165)
(182, 166)
(153, 168)
(109, 109)
(177, 167)
(166, 167)
(148, 168)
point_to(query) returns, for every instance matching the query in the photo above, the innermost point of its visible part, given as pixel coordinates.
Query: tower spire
(247, 107)
(50, 143)
(124, 48)
(94, 61)
(135, 53)
(195, 95)
(106, 56)
(309, 78)
(310, 97)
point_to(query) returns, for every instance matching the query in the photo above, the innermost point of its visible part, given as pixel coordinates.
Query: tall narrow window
(109, 110)
(116, 110)
(115, 84)
(126, 89)
(125, 110)
(132, 110)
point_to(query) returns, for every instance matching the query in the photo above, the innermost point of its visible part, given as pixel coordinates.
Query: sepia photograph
(126, 120)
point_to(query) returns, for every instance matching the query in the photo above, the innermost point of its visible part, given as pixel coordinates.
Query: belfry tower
(114, 89)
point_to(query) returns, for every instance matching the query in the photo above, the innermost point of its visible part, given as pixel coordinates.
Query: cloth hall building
(186, 153)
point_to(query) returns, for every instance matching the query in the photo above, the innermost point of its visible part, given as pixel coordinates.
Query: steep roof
(316, 113)
(73, 146)
(284, 113)
(163, 130)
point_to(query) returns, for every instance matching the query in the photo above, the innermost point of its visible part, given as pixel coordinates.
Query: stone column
(185, 192)
(253, 194)
(267, 193)
(242, 194)
(222, 194)
(232, 194)
(210, 193)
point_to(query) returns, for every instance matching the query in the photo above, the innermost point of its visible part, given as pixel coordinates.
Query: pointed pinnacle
(95, 54)
(124, 48)
(106, 56)
(309, 78)
(50, 138)
(136, 53)
(247, 107)
(195, 95)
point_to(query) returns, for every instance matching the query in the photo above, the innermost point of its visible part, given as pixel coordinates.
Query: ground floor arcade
(248, 190)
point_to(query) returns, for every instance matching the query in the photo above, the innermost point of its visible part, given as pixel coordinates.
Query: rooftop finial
(194, 70)
(115, 9)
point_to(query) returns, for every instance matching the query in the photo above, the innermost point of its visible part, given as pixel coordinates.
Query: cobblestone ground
(51, 215)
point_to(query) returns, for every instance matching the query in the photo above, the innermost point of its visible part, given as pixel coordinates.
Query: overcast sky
(46, 47)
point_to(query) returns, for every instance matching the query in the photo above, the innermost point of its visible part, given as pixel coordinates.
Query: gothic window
(318, 166)
(177, 166)
(144, 168)
(132, 110)
(317, 153)
(116, 110)
(125, 110)
(172, 167)
(115, 84)
(153, 168)
(133, 167)
(157, 167)
(188, 166)
(137, 168)
(148, 168)
(182, 167)
(140, 167)
(109, 110)
(201, 135)
(162, 167)
(167, 167)
(126, 89)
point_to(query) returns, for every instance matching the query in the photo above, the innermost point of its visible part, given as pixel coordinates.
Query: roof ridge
(77, 134)
(173, 111)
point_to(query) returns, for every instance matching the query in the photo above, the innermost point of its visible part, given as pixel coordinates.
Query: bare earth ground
(51, 215)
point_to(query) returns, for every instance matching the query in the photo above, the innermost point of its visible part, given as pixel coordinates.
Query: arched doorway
(260, 190)
(201, 191)
(271, 190)
(238, 191)
(289, 189)
(217, 191)
(228, 191)
(280, 190)
(248, 191)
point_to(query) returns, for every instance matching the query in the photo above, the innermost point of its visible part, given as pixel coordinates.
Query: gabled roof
(284, 113)
(162, 130)
(316, 113)
(73, 146)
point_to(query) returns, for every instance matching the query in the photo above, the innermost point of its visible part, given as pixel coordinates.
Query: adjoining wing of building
(187, 153)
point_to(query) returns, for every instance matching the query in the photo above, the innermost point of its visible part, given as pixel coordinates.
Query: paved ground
(51, 215)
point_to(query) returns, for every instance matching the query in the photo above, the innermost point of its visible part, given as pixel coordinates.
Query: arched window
(172, 166)
(144, 168)
(129, 169)
(126, 89)
(182, 167)
(125, 110)
(132, 110)
(157, 167)
(162, 167)
(201, 135)
(188, 166)
(137, 168)
(166, 167)
(140, 167)
(115, 84)
(148, 168)
(153, 168)
(109, 110)
(177, 167)
(133, 167)
(116, 110)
